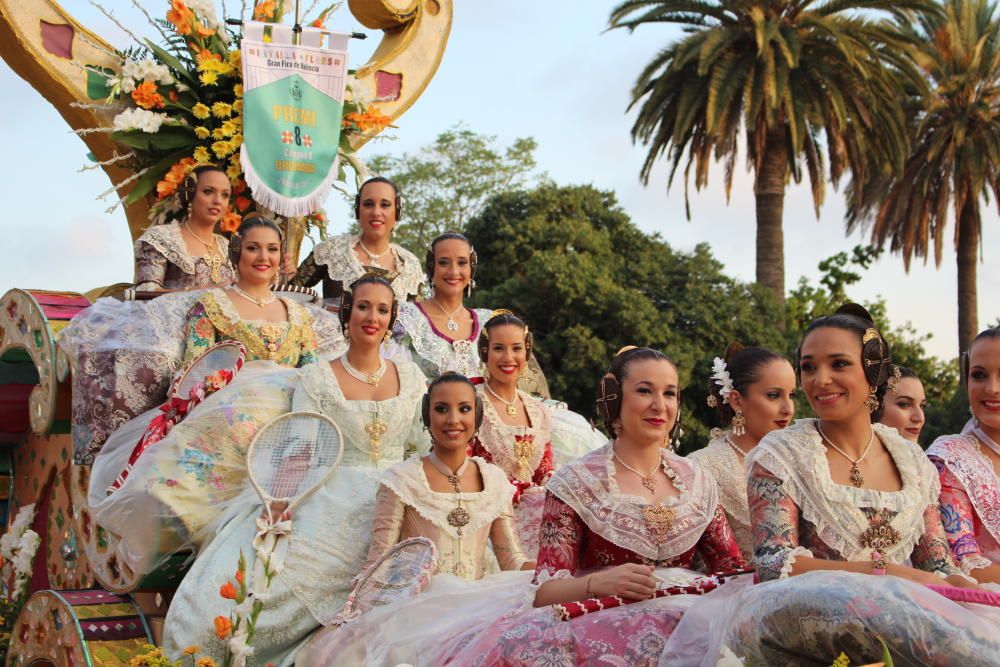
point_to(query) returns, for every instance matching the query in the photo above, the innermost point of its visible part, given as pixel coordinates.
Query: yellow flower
(841, 661)
(217, 134)
(234, 170)
(201, 132)
(238, 106)
(209, 78)
(212, 65)
(229, 128)
(237, 140)
(206, 662)
(238, 90)
(222, 148)
(190, 650)
(201, 155)
(222, 110)
(200, 111)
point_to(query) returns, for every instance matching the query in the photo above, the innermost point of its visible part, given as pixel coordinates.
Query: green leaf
(173, 63)
(148, 181)
(98, 87)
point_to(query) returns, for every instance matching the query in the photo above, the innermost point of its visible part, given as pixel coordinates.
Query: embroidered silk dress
(214, 319)
(410, 631)
(797, 510)
(719, 459)
(162, 261)
(970, 499)
(589, 524)
(331, 528)
(336, 264)
(524, 453)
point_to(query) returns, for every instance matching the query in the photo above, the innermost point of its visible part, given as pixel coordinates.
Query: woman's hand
(276, 511)
(288, 268)
(913, 574)
(529, 565)
(631, 581)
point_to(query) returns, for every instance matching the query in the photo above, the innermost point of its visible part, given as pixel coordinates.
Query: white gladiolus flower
(728, 659)
(22, 562)
(8, 543)
(139, 119)
(24, 518)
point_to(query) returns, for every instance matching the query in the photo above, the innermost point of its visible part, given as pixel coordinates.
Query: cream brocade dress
(719, 459)
(162, 261)
(459, 595)
(331, 528)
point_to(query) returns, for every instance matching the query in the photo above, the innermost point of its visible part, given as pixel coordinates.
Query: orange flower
(203, 30)
(173, 96)
(205, 54)
(318, 23)
(190, 650)
(230, 223)
(174, 177)
(239, 573)
(242, 203)
(264, 11)
(228, 591)
(180, 16)
(145, 95)
(223, 626)
(371, 119)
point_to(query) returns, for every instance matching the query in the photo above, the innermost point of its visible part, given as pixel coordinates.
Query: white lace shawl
(719, 459)
(408, 481)
(319, 391)
(963, 456)
(498, 438)
(587, 484)
(461, 355)
(342, 265)
(797, 456)
(167, 240)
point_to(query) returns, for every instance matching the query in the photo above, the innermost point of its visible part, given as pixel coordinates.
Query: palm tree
(786, 71)
(955, 161)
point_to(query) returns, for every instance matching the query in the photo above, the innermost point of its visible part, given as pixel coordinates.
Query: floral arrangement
(18, 547)
(237, 629)
(179, 104)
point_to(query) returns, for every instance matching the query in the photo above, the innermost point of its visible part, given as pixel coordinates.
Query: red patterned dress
(589, 524)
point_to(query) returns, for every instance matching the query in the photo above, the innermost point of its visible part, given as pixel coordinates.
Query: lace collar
(797, 456)
(297, 315)
(725, 466)
(408, 481)
(167, 240)
(342, 265)
(587, 484)
(504, 441)
(446, 354)
(964, 457)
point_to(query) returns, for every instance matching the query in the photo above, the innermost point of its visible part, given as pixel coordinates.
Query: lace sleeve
(560, 539)
(774, 521)
(387, 524)
(309, 272)
(959, 521)
(718, 545)
(506, 546)
(150, 267)
(200, 333)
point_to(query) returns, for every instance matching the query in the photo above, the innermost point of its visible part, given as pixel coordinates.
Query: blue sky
(512, 69)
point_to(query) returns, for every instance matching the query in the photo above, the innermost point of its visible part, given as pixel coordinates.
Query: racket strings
(293, 455)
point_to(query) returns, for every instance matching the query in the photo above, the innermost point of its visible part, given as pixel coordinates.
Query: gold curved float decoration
(47, 47)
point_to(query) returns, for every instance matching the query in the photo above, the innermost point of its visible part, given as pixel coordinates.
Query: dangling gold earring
(739, 423)
(387, 337)
(872, 401)
(347, 334)
(616, 426)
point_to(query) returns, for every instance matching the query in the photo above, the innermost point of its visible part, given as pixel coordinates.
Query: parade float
(148, 114)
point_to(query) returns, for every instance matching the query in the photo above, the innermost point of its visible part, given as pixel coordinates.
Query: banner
(293, 104)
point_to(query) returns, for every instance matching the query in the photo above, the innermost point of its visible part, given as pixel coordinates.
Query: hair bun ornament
(856, 310)
(721, 377)
(627, 348)
(732, 350)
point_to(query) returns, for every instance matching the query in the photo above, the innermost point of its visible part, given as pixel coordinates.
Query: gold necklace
(452, 325)
(375, 429)
(458, 517)
(511, 405)
(249, 297)
(648, 480)
(857, 479)
(211, 256)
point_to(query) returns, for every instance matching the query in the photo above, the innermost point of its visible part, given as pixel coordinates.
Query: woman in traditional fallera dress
(517, 428)
(340, 260)
(189, 255)
(751, 390)
(375, 403)
(902, 403)
(172, 483)
(460, 503)
(969, 462)
(840, 508)
(611, 517)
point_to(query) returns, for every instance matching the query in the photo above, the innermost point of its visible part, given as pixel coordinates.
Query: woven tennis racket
(400, 573)
(212, 370)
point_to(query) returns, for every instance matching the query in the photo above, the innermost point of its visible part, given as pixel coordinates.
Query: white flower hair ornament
(721, 377)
